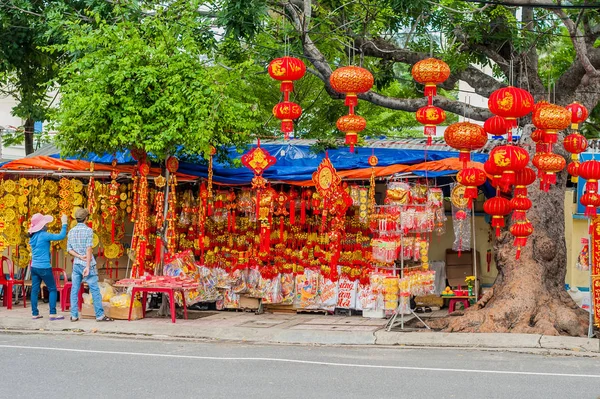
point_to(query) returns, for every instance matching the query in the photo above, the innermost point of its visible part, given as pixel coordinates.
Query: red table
(144, 290)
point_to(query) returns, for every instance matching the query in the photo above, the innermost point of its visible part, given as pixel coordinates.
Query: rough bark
(529, 294)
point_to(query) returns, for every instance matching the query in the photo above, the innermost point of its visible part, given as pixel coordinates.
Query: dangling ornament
(523, 178)
(430, 116)
(465, 137)
(430, 72)
(287, 70)
(373, 161)
(496, 126)
(590, 171)
(172, 165)
(538, 138)
(509, 159)
(520, 205)
(498, 208)
(591, 201)
(471, 178)
(521, 230)
(551, 118)
(351, 80)
(548, 164)
(579, 114)
(575, 143)
(573, 170)
(491, 169)
(351, 125)
(287, 112)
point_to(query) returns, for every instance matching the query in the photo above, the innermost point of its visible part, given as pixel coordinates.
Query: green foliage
(150, 84)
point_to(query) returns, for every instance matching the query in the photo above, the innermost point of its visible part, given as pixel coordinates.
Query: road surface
(83, 366)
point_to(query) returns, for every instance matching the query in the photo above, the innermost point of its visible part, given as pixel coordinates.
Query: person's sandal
(56, 317)
(37, 317)
(105, 318)
(74, 318)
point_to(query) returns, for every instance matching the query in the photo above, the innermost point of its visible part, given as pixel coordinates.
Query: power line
(537, 5)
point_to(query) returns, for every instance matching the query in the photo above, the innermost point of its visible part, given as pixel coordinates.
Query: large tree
(517, 41)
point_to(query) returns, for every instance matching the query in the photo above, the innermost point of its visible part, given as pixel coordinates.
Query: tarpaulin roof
(296, 162)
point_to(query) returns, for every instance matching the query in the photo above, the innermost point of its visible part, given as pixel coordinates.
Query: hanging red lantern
(471, 178)
(591, 201)
(509, 159)
(511, 103)
(551, 118)
(575, 143)
(496, 126)
(351, 125)
(351, 80)
(573, 169)
(287, 112)
(286, 70)
(521, 231)
(539, 104)
(491, 169)
(548, 164)
(520, 205)
(498, 208)
(430, 72)
(590, 171)
(523, 178)
(430, 116)
(538, 138)
(579, 114)
(465, 137)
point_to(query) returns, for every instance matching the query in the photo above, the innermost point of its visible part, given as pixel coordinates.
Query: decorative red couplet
(596, 268)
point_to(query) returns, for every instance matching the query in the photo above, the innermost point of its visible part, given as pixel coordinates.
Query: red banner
(595, 294)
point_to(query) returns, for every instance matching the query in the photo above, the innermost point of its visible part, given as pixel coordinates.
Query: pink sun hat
(38, 221)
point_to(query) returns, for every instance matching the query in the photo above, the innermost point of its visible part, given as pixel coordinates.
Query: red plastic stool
(454, 301)
(65, 300)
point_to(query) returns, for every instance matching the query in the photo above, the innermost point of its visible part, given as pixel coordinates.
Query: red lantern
(551, 118)
(430, 72)
(465, 137)
(548, 165)
(579, 114)
(573, 169)
(590, 171)
(509, 159)
(523, 178)
(471, 178)
(496, 126)
(591, 201)
(351, 80)
(351, 125)
(538, 138)
(430, 116)
(287, 111)
(286, 70)
(520, 205)
(539, 104)
(511, 103)
(491, 169)
(498, 207)
(521, 231)
(575, 143)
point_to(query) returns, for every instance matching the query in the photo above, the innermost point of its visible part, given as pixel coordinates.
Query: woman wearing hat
(41, 269)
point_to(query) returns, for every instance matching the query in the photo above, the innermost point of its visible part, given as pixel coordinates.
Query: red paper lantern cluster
(430, 116)
(509, 159)
(430, 72)
(465, 137)
(590, 171)
(575, 143)
(471, 178)
(351, 80)
(511, 103)
(496, 126)
(287, 70)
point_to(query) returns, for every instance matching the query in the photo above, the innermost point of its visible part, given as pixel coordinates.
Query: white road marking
(296, 361)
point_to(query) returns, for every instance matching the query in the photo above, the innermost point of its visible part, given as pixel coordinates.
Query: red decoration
(258, 160)
(351, 125)
(430, 72)
(591, 201)
(351, 80)
(520, 205)
(496, 126)
(575, 143)
(286, 70)
(538, 138)
(579, 114)
(511, 103)
(590, 171)
(573, 170)
(521, 231)
(492, 170)
(465, 137)
(430, 116)
(471, 178)
(497, 207)
(551, 118)
(509, 159)
(287, 112)
(523, 178)
(548, 165)
(172, 164)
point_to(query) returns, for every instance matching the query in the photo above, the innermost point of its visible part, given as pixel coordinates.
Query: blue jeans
(39, 274)
(92, 282)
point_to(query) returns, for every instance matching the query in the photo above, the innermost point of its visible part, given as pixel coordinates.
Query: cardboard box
(459, 267)
(123, 313)
(249, 303)
(87, 310)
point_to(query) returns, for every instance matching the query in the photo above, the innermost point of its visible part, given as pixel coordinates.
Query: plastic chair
(8, 284)
(65, 297)
(454, 301)
(61, 281)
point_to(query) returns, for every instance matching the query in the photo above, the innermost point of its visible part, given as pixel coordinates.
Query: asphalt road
(80, 366)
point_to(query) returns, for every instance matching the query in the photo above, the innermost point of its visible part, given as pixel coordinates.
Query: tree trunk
(529, 295)
(29, 131)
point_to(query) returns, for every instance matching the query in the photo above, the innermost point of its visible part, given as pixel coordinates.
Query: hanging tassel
(590, 211)
(281, 227)
(498, 223)
(157, 251)
(112, 230)
(518, 253)
(303, 212)
(292, 211)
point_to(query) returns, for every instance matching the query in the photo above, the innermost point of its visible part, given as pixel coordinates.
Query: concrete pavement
(293, 329)
(72, 366)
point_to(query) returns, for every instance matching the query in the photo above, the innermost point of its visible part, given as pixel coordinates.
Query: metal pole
(474, 252)
(591, 267)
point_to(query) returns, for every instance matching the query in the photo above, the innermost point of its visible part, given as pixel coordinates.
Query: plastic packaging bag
(287, 288)
(107, 291)
(307, 289)
(123, 301)
(328, 296)
(271, 289)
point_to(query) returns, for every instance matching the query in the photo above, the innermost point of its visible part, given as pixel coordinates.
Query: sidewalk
(291, 329)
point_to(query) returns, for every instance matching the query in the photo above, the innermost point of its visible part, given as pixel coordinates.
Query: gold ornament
(76, 186)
